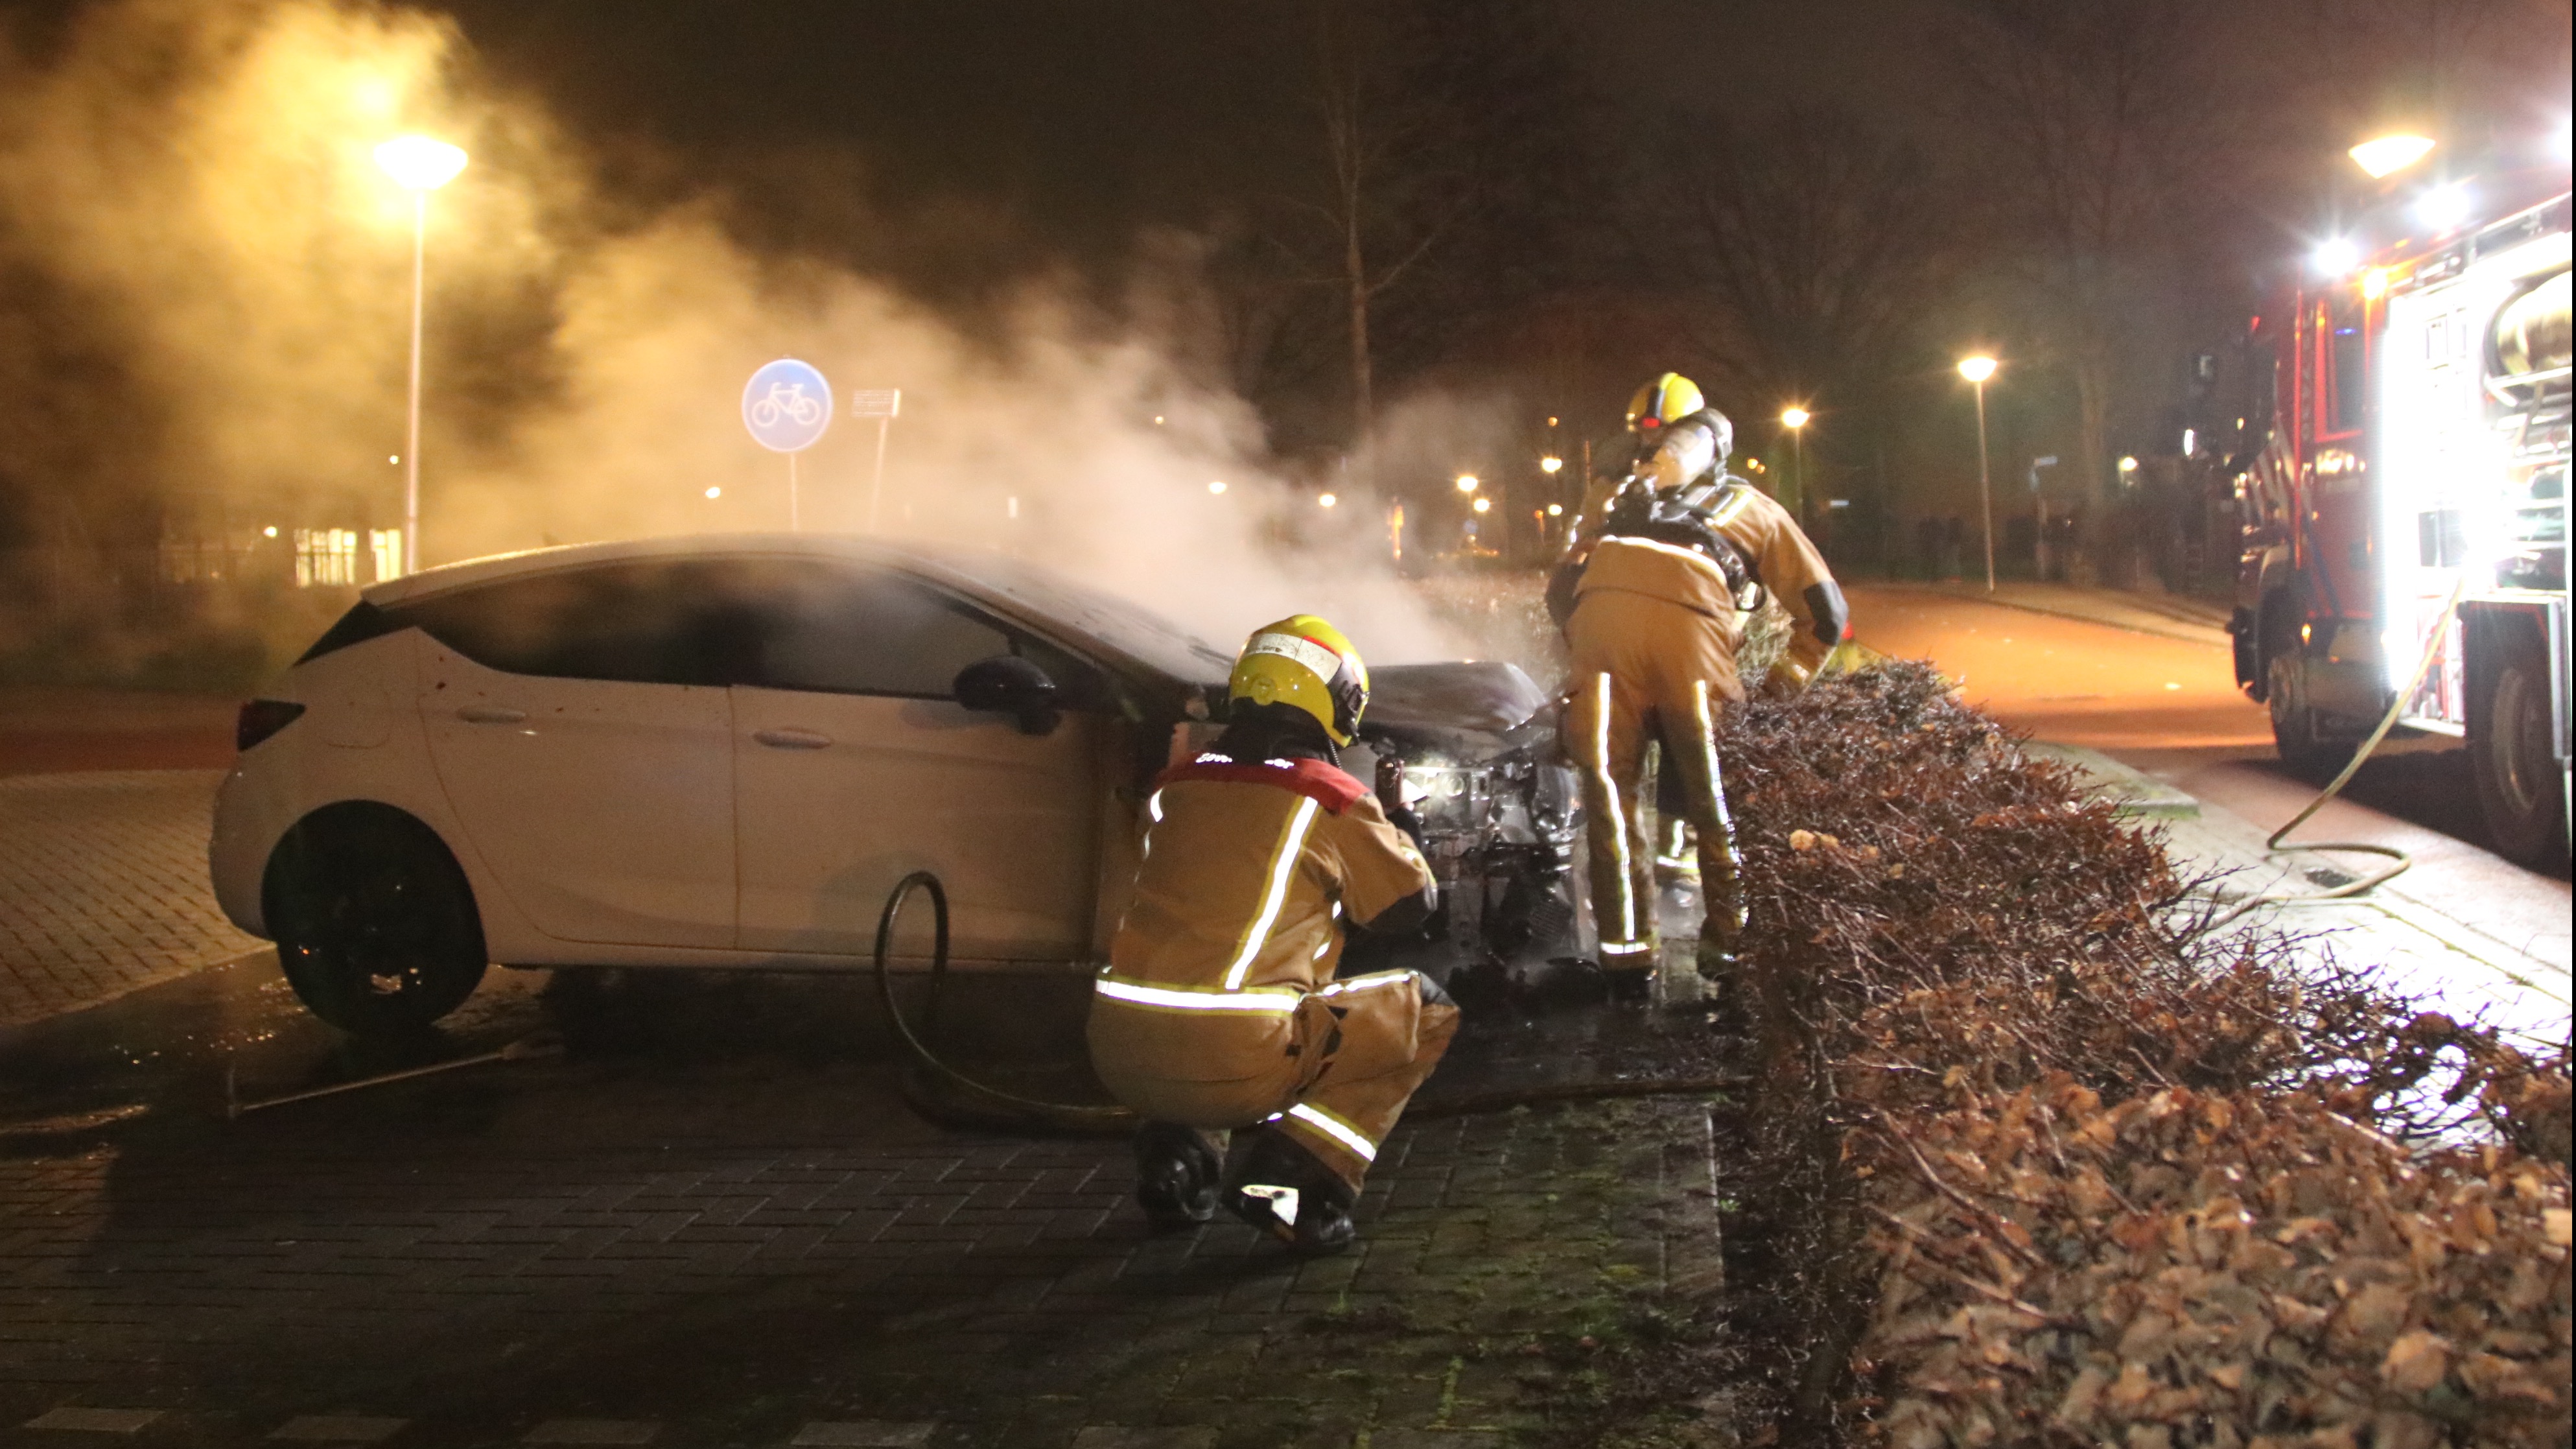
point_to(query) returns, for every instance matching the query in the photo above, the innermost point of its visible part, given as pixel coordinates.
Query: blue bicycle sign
(787, 405)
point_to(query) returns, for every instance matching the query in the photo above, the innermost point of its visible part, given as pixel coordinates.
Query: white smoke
(203, 169)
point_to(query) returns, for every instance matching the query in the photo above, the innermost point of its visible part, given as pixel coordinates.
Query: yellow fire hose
(2387, 721)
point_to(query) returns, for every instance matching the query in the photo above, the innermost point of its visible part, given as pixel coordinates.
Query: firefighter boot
(1178, 1173)
(1282, 1190)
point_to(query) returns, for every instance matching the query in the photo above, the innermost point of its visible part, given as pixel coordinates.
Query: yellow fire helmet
(1302, 660)
(1670, 398)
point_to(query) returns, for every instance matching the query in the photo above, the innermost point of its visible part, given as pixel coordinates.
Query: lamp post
(420, 166)
(1976, 370)
(1795, 420)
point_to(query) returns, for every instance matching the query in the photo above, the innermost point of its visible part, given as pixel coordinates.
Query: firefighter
(1219, 1010)
(1661, 570)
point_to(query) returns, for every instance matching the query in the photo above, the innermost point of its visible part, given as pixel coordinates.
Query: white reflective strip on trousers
(1708, 753)
(1278, 1001)
(1281, 866)
(1363, 983)
(1337, 1129)
(1617, 820)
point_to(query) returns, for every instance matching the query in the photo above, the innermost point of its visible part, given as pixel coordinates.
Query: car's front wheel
(374, 920)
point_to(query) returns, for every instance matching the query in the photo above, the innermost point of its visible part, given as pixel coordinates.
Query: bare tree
(1812, 247)
(2114, 129)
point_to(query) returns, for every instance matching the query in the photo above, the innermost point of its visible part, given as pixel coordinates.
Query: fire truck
(2406, 446)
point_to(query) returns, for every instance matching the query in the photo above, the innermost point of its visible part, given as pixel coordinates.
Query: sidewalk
(2505, 961)
(2173, 616)
(103, 887)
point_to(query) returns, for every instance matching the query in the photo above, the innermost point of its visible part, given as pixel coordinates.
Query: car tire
(2294, 725)
(374, 921)
(2521, 790)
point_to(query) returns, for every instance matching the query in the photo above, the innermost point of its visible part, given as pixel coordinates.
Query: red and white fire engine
(2417, 451)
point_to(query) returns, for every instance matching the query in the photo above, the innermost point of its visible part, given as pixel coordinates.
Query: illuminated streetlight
(1484, 505)
(1216, 485)
(1977, 369)
(1551, 465)
(1556, 510)
(2388, 155)
(1327, 501)
(2335, 256)
(420, 166)
(2128, 465)
(1467, 483)
(715, 492)
(1794, 417)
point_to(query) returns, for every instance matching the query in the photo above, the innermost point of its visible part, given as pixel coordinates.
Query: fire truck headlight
(2335, 256)
(2443, 208)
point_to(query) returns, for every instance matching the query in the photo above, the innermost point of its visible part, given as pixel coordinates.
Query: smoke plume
(194, 178)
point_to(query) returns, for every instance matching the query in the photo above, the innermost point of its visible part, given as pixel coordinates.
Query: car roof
(1031, 594)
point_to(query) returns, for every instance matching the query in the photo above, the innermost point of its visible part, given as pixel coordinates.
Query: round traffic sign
(787, 405)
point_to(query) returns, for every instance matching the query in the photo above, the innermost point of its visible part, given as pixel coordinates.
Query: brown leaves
(2111, 1179)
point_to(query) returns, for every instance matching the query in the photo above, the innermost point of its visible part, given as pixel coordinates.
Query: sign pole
(795, 521)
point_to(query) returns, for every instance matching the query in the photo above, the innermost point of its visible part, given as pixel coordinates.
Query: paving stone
(103, 887)
(862, 1434)
(1112, 1437)
(338, 1429)
(94, 1421)
(592, 1431)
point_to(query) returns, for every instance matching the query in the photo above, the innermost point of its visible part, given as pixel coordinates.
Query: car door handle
(491, 714)
(793, 739)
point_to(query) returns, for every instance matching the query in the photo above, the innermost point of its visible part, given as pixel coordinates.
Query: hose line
(2401, 861)
(944, 1094)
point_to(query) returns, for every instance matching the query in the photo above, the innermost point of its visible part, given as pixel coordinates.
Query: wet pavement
(713, 1221)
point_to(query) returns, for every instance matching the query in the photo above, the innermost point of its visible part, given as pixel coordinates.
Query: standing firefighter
(1663, 566)
(1219, 1009)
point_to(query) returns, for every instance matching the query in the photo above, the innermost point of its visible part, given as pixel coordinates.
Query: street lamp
(1551, 465)
(420, 166)
(1794, 419)
(1976, 370)
(1467, 483)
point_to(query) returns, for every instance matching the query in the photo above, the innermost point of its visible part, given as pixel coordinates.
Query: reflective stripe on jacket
(1233, 924)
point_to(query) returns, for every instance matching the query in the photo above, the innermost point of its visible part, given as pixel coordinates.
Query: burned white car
(724, 752)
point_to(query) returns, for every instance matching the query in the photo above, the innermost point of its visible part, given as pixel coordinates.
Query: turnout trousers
(1333, 1068)
(1639, 664)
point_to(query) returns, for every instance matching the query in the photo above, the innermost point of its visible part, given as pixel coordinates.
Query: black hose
(974, 1104)
(981, 1104)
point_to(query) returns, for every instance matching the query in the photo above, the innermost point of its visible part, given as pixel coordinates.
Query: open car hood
(1484, 695)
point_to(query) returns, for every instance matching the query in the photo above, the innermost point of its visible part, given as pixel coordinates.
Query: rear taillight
(261, 718)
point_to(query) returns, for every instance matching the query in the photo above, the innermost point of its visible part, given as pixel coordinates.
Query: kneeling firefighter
(1219, 1010)
(1661, 570)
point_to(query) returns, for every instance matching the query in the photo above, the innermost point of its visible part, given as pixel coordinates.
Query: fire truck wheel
(2510, 751)
(2294, 725)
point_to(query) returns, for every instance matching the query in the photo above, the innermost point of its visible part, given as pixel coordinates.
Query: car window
(847, 631)
(657, 622)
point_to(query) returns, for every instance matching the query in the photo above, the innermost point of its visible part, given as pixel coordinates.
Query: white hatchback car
(725, 751)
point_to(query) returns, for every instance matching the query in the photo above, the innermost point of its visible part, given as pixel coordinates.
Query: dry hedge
(2046, 1157)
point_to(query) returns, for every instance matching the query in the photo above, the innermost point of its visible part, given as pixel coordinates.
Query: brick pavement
(770, 1256)
(103, 887)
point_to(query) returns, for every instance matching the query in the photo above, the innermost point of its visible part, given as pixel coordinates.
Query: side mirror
(1008, 684)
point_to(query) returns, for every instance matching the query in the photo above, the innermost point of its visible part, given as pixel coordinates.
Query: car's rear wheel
(2514, 756)
(374, 920)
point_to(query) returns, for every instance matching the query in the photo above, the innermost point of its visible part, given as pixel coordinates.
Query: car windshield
(1138, 632)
